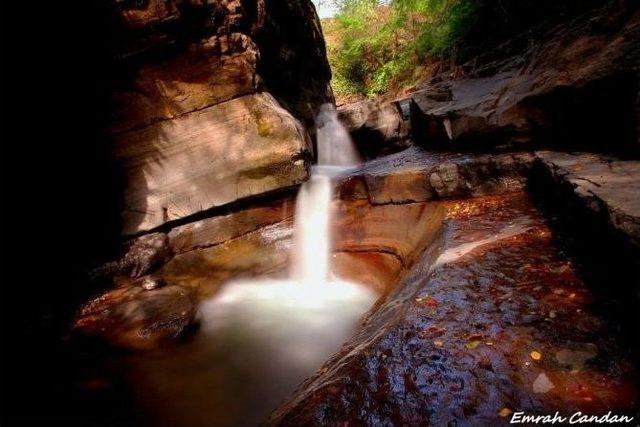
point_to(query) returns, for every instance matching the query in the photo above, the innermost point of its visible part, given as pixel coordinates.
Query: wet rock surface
(606, 186)
(374, 245)
(415, 175)
(497, 322)
(140, 317)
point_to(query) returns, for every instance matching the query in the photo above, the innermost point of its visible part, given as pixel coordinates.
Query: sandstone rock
(134, 318)
(239, 148)
(261, 252)
(142, 255)
(194, 79)
(577, 89)
(376, 128)
(219, 229)
(608, 187)
(210, 101)
(402, 231)
(378, 270)
(293, 58)
(414, 175)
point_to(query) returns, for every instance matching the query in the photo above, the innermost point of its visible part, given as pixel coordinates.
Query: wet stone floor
(500, 322)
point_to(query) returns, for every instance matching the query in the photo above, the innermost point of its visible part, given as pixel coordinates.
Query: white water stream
(260, 338)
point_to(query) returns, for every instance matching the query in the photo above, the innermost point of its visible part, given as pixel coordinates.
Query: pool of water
(257, 341)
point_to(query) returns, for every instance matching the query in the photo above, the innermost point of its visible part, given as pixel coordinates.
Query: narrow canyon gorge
(206, 234)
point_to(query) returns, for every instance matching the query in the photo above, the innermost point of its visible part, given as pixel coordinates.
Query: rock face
(415, 175)
(247, 146)
(211, 102)
(576, 89)
(608, 187)
(377, 128)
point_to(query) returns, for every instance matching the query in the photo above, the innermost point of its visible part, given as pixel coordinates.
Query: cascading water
(336, 155)
(335, 147)
(310, 257)
(259, 339)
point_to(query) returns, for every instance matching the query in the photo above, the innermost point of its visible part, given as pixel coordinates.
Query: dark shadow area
(605, 259)
(65, 202)
(597, 117)
(297, 76)
(500, 27)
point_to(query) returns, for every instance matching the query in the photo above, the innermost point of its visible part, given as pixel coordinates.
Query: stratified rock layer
(374, 245)
(211, 102)
(211, 157)
(606, 186)
(415, 175)
(577, 89)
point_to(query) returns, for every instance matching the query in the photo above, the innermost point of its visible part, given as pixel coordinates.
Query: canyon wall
(211, 102)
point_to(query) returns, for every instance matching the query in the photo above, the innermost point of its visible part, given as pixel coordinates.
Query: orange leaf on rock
(505, 412)
(472, 344)
(535, 355)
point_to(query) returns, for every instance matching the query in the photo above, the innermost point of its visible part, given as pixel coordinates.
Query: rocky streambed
(481, 309)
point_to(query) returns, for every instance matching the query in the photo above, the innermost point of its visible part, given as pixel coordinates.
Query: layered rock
(206, 110)
(576, 89)
(415, 175)
(373, 244)
(247, 146)
(607, 187)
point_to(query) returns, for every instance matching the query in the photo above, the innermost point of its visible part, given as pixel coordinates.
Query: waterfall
(311, 236)
(335, 147)
(280, 330)
(312, 239)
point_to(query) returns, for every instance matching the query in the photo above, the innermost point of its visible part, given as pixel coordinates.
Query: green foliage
(375, 43)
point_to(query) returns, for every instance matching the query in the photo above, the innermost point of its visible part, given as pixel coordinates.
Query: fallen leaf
(429, 301)
(542, 384)
(505, 412)
(535, 355)
(472, 344)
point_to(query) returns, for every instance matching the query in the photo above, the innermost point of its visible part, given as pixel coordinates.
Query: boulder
(175, 168)
(377, 128)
